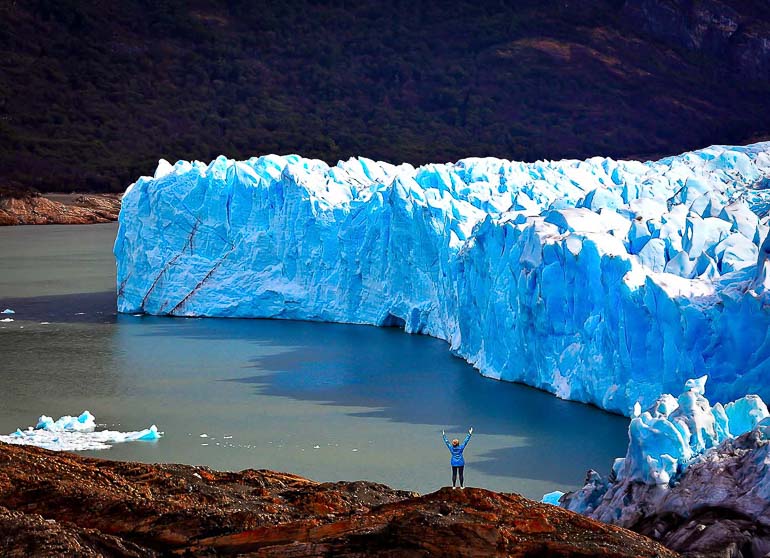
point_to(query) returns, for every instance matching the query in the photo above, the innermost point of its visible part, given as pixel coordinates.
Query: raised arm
(448, 445)
(467, 438)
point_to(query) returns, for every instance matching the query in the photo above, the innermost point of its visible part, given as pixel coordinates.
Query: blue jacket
(457, 452)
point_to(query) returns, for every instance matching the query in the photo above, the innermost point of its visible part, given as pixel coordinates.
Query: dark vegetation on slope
(93, 93)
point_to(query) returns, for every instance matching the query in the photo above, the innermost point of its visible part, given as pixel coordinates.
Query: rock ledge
(62, 504)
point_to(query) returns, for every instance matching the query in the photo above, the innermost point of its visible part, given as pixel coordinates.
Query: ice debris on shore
(664, 441)
(78, 433)
(695, 477)
(552, 498)
(601, 281)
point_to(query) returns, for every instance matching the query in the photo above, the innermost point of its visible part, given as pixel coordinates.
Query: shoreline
(59, 209)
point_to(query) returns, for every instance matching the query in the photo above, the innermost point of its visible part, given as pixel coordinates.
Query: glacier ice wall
(601, 281)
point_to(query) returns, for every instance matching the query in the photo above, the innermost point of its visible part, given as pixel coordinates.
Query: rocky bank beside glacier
(59, 504)
(695, 477)
(58, 209)
(601, 281)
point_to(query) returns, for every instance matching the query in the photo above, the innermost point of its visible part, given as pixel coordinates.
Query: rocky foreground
(59, 209)
(62, 504)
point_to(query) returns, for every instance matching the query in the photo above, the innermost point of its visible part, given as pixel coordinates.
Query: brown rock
(59, 209)
(58, 503)
(26, 534)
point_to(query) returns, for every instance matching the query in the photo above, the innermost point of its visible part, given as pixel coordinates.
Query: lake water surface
(326, 401)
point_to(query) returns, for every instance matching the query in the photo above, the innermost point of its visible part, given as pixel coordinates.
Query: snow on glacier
(601, 281)
(79, 433)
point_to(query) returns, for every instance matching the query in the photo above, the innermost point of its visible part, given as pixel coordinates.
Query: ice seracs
(76, 433)
(665, 438)
(695, 477)
(601, 281)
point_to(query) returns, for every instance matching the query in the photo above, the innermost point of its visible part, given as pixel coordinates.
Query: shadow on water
(414, 379)
(87, 308)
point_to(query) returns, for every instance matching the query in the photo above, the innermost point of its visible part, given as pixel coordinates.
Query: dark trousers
(455, 470)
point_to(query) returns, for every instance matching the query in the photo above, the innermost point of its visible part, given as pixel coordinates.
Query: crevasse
(602, 281)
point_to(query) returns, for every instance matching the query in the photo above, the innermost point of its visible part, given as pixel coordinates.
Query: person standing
(458, 461)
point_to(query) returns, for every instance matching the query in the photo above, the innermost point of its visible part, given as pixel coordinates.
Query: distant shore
(59, 209)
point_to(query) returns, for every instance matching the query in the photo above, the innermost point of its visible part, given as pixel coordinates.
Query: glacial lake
(326, 401)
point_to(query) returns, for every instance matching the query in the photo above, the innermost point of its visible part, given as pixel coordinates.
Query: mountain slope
(92, 95)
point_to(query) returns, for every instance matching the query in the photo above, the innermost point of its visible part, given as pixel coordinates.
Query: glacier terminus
(601, 281)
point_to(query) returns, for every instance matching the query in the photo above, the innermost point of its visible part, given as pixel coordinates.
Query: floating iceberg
(7, 311)
(75, 434)
(695, 477)
(601, 281)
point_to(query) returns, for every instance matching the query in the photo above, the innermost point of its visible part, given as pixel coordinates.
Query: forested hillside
(92, 94)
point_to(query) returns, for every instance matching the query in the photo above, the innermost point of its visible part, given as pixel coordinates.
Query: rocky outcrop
(61, 209)
(61, 504)
(719, 508)
(27, 534)
(724, 28)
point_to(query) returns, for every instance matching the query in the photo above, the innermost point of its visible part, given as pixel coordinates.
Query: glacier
(602, 281)
(696, 477)
(76, 433)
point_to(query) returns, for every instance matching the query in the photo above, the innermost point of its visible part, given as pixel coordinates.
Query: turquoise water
(326, 401)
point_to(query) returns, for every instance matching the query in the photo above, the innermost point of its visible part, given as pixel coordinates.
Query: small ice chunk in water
(85, 422)
(6, 320)
(79, 433)
(204, 436)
